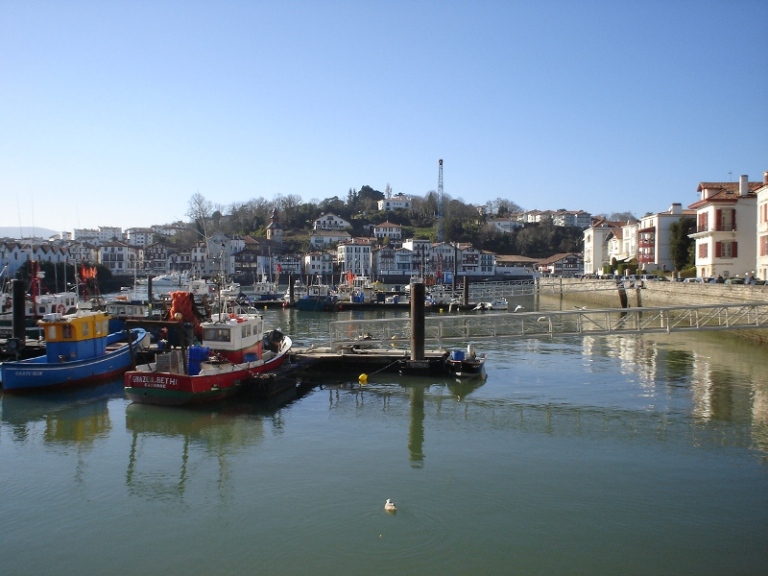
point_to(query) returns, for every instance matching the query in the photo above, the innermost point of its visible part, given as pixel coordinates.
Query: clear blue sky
(114, 113)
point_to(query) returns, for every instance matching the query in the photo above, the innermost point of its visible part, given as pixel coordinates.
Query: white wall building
(761, 268)
(726, 219)
(397, 202)
(330, 222)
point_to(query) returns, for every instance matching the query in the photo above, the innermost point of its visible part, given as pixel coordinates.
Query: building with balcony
(653, 238)
(761, 269)
(726, 218)
(330, 222)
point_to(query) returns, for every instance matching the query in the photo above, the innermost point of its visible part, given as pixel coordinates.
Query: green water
(609, 455)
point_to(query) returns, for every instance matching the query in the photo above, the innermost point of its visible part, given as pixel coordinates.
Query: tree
(680, 244)
(200, 211)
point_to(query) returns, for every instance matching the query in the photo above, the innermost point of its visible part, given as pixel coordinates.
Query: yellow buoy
(363, 378)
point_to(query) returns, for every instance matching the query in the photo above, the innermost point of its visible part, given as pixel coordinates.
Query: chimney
(743, 185)
(676, 208)
(765, 178)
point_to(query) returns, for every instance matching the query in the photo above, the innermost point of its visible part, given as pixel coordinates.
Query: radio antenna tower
(440, 201)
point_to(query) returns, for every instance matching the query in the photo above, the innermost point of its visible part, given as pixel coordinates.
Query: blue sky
(115, 113)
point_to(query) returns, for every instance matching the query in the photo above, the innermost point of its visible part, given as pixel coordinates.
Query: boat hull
(171, 389)
(319, 304)
(37, 374)
(467, 367)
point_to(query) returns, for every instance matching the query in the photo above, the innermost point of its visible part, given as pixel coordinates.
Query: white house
(577, 218)
(653, 237)
(103, 233)
(388, 230)
(596, 245)
(321, 238)
(139, 236)
(761, 267)
(726, 219)
(397, 202)
(121, 258)
(319, 264)
(355, 256)
(330, 222)
(504, 225)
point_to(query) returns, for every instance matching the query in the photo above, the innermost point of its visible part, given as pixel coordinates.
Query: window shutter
(734, 250)
(718, 219)
(718, 249)
(733, 216)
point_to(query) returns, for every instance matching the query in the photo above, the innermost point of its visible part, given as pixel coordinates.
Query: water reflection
(167, 442)
(77, 416)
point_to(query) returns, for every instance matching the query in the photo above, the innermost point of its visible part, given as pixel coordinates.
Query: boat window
(51, 332)
(66, 331)
(216, 334)
(85, 329)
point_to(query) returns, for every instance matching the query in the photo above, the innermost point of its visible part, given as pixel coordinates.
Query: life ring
(60, 309)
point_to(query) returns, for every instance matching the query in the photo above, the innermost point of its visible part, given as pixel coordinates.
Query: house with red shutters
(726, 217)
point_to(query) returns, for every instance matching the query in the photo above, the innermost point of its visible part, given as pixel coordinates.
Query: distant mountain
(18, 233)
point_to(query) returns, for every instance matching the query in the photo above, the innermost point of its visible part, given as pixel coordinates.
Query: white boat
(165, 283)
(261, 290)
(499, 303)
(299, 291)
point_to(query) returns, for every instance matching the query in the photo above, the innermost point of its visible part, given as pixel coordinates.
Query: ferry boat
(234, 352)
(79, 349)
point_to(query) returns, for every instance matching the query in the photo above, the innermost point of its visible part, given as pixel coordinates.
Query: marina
(590, 453)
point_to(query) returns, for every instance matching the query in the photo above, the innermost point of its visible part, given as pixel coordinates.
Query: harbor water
(589, 455)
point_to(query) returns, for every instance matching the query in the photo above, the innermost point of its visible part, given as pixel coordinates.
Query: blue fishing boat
(79, 349)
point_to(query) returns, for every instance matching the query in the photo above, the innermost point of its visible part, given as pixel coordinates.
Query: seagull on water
(389, 506)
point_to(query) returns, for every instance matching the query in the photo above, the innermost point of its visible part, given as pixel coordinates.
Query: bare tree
(200, 211)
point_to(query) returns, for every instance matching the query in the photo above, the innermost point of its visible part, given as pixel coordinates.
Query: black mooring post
(19, 313)
(465, 291)
(418, 298)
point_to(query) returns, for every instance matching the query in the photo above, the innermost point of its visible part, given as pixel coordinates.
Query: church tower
(274, 230)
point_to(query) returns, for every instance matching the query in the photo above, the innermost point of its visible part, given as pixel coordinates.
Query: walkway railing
(464, 328)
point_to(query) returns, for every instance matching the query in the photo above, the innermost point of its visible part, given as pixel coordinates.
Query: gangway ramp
(463, 328)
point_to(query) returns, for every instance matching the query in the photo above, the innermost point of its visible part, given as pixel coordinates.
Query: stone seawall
(663, 294)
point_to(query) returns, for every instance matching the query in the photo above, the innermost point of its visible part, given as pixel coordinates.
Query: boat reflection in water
(166, 444)
(76, 415)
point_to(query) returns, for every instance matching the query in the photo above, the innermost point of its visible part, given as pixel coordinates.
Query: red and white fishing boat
(234, 352)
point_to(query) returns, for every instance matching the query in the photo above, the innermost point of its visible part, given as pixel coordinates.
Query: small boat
(234, 354)
(465, 365)
(499, 303)
(299, 291)
(319, 298)
(79, 349)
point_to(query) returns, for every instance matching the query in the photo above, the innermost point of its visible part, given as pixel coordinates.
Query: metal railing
(444, 329)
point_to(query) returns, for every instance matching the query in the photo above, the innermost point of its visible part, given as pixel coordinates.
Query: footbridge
(479, 326)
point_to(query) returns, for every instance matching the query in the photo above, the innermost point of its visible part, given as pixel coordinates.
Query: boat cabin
(75, 336)
(238, 338)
